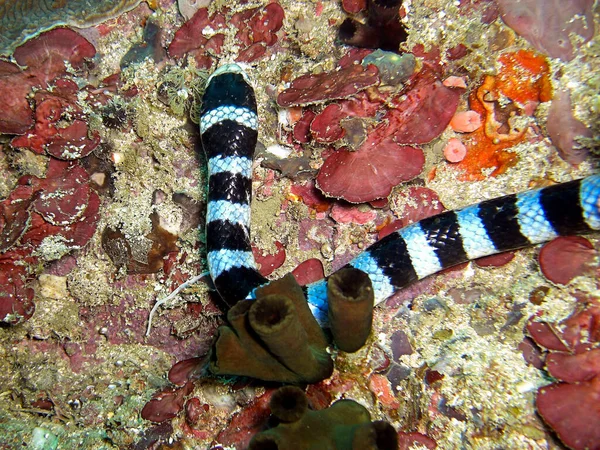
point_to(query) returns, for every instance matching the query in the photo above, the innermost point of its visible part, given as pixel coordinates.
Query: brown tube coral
(274, 338)
(351, 299)
(345, 425)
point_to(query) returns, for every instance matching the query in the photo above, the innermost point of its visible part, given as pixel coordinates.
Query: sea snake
(229, 130)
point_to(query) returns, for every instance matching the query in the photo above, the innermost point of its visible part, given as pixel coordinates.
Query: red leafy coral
(60, 126)
(420, 114)
(189, 39)
(16, 298)
(338, 84)
(570, 407)
(16, 116)
(371, 171)
(257, 28)
(61, 207)
(45, 58)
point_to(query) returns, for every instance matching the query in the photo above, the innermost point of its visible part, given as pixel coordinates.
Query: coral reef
(344, 425)
(102, 197)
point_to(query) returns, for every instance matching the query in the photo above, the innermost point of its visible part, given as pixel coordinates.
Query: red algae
(45, 55)
(17, 117)
(572, 411)
(548, 24)
(309, 271)
(569, 407)
(268, 263)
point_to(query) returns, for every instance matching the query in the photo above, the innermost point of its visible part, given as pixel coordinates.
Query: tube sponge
(273, 338)
(345, 425)
(350, 295)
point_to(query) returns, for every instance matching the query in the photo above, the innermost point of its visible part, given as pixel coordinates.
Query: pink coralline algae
(257, 31)
(548, 24)
(570, 407)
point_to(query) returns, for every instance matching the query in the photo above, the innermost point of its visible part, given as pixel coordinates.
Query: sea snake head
(229, 131)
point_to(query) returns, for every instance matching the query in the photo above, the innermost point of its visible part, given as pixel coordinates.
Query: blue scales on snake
(229, 129)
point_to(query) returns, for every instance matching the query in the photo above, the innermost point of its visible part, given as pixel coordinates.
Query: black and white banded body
(229, 134)
(453, 237)
(229, 130)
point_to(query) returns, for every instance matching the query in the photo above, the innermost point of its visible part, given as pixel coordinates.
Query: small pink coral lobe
(465, 121)
(454, 150)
